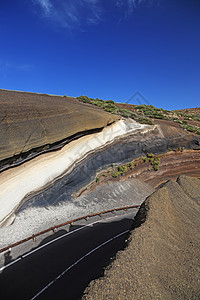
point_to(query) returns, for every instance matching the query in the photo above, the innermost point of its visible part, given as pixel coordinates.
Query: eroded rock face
(77, 145)
(121, 150)
(49, 170)
(162, 260)
(29, 120)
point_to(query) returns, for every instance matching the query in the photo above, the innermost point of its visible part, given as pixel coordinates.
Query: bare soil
(172, 164)
(162, 258)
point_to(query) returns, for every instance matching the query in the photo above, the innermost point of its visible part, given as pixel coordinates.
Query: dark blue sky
(108, 49)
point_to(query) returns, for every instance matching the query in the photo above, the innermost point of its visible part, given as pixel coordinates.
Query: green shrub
(123, 169)
(124, 113)
(198, 131)
(157, 158)
(151, 111)
(191, 128)
(178, 121)
(100, 100)
(97, 179)
(143, 120)
(156, 167)
(150, 155)
(116, 174)
(151, 160)
(110, 101)
(131, 165)
(110, 107)
(120, 169)
(111, 110)
(84, 99)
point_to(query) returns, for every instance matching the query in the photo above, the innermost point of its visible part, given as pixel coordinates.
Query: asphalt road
(63, 269)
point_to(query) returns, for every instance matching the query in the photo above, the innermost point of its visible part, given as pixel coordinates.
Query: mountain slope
(162, 260)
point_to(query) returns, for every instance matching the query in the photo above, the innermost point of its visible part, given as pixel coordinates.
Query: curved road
(62, 267)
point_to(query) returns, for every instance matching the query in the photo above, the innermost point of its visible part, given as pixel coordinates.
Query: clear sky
(107, 49)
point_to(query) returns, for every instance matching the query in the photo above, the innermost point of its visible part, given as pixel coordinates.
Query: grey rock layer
(105, 197)
(120, 151)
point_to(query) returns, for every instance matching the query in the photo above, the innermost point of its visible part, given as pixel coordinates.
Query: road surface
(64, 267)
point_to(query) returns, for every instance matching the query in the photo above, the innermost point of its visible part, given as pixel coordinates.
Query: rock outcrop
(51, 147)
(50, 169)
(162, 259)
(30, 121)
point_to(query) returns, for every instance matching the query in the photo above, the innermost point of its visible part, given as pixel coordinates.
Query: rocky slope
(162, 260)
(60, 159)
(53, 147)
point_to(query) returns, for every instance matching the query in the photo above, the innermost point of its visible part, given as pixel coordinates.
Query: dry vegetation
(188, 119)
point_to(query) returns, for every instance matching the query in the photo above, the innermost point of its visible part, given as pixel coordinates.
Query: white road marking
(74, 264)
(11, 263)
(56, 239)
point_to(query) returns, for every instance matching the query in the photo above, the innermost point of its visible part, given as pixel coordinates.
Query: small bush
(116, 174)
(122, 169)
(131, 165)
(84, 99)
(110, 101)
(191, 128)
(156, 167)
(150, 155)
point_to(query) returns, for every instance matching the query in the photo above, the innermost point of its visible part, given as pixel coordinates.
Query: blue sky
(107, 49)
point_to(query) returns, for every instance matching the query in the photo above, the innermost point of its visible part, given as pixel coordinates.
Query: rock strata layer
(162, 259)
(29, 121)
(36, 175)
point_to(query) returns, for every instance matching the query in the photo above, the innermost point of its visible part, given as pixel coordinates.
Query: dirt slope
(162, 260)
(29, 120)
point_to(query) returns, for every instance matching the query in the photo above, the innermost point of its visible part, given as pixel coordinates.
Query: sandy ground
(162, 259)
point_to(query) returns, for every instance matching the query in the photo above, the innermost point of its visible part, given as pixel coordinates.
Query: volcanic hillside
(62, 158)
(162, 258)
(53, 148)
